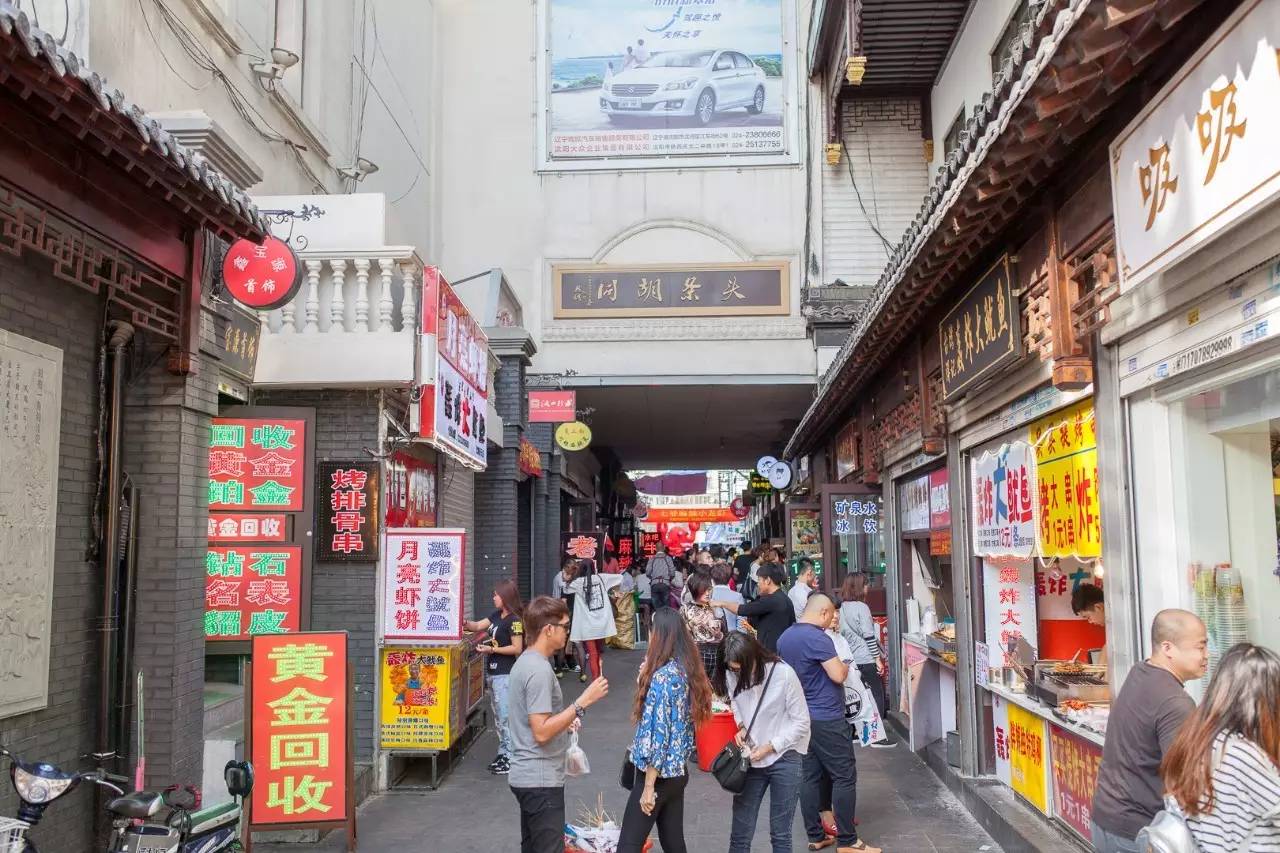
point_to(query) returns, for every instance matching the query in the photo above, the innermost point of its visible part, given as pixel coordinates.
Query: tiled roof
(225, 203)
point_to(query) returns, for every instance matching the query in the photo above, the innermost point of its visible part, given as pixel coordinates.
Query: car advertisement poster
(657, 79)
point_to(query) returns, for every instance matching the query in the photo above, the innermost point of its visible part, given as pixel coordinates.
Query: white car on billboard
(693, 84)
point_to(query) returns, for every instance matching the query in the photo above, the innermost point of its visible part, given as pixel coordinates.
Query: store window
(857, 527)
(1207, 507)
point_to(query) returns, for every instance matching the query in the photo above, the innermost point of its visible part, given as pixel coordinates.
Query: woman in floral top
(706, 627)
(672, 697)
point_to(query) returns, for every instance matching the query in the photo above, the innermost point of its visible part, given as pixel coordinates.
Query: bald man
(1144, 719)
(808, 650)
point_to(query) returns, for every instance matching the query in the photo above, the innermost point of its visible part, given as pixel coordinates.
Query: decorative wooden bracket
(856, 63)
(1072, 368)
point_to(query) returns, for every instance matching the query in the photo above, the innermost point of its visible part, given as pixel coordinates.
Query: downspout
(121, 334)
(124, 698)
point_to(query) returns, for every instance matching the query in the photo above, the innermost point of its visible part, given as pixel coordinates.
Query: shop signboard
(552, 407)
(414, 713)
(251, 590)
(1009, 598)
(806, 536)
(581, 545)
(261, 276)
(939, 500)
(453, 411)
(257, 464)
(1066, 447)
(650, 542)
(626, 552)
(759, 485)
(1075, 763)
(913, 504)
(982, 333)
(853, 516)
(1004, 501)
(1204, 153)
(1028, 756)
(248, 527)
(634, 83)
(1000, 738)
(847, 450)
(573, 436)
(707, 290)
(530, 461)
(693, 514)
(299, 730)
(411, 492)
(424, 586)
(347, 509)
(940, 543)
(239, 333)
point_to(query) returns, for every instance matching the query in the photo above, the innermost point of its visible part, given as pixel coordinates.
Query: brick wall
(344, 595)
(547, 517)
(496, 495)
(886, 154)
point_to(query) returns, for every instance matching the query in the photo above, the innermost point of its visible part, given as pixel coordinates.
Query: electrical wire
(391, 114)
(888, 247)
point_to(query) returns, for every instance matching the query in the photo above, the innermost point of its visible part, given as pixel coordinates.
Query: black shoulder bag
(731, 765)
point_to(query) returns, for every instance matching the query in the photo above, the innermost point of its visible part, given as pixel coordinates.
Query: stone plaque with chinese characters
(982, 333)
(30, 421)
(672, 291)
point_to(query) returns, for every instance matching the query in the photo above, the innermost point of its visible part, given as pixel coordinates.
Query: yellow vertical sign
(1069, 514)
(1027, 756)
(416, 685)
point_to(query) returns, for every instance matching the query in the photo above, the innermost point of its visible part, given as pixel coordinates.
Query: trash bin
(711, 737)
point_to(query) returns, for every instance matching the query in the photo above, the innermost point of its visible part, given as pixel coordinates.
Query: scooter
(185, 829)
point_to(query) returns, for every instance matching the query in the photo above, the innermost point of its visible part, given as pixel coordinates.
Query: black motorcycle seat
(139, 805)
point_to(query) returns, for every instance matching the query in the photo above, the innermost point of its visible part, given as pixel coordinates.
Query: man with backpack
(661, 570)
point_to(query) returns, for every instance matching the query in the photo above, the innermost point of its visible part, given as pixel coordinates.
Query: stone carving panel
(30, 420)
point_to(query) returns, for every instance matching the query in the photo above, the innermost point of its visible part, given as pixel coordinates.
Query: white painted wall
(967, 76)
(495, 209)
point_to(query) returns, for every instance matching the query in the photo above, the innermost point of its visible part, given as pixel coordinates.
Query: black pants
(541, 819)
(659, 594)
(668, 815)
(830, 756)
(872, 679)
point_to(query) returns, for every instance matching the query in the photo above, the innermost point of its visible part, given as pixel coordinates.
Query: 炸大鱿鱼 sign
(425, 585)
(252, 590)
(298, 720)
(417, 698)
(1067, 483)
(257, 464)
(1003, 495)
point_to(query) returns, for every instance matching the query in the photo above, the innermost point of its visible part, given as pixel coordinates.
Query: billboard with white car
(631, 80)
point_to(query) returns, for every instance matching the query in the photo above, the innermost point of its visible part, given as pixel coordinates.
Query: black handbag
(628, 777)
(731, 765)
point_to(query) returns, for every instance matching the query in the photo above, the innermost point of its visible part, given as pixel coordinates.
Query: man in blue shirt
(808, 650)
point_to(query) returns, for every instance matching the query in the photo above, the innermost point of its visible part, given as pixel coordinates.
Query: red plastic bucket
(711, 737)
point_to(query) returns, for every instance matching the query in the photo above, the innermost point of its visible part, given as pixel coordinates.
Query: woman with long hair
(503, 644)
(857, 626)
(1223, 767)
(704, 625)
(593, 620)
(766, 695)
(672, 696)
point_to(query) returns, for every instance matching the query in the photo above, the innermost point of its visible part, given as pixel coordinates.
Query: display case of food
(1057, 681)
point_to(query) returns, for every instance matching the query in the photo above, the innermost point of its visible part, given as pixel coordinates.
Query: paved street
(901, 804)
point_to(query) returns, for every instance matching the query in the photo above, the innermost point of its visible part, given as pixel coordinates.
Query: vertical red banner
(298, 725)
(257, 464)
(252, 589)
(1075, 774)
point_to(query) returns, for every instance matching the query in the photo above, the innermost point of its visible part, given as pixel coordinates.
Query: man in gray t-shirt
(539, 726)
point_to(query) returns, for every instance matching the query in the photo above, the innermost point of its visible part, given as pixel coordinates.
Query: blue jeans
(498, 696)
(1109, 842)
(830, 755)
(782, 780)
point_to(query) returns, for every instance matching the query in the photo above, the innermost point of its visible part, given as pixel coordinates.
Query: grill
(634, 90)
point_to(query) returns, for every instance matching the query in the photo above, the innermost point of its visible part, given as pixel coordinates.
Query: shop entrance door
(852, 535)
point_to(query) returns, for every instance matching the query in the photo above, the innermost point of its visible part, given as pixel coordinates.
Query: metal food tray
(938, 644)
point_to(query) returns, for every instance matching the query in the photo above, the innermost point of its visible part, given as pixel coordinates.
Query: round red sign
(261, 276)
(738, 507)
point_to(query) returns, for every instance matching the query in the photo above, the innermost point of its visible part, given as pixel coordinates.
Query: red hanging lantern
(262, 276)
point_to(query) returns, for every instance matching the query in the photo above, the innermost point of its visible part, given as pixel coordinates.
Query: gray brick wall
(496, 502)
(547, 519)
(344, 595)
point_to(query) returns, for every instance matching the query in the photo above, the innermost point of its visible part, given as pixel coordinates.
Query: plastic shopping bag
(575, 759)
(868, 727)
(582, 839)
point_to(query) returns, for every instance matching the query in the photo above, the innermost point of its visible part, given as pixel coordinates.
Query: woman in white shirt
(1223, 768)
(767, 699)
(593, 620)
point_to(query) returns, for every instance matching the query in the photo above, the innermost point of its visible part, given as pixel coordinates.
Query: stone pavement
(902, 805)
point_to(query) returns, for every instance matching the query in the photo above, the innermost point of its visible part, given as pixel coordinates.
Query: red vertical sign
(252, 589)
(298, 726)
(257, 464)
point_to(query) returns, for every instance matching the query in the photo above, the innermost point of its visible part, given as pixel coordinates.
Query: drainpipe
(121, 334)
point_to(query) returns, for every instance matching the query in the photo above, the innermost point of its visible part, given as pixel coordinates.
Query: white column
(287, 312)
(337, 305)
(362, 295)
(385, 305)
(409, 280)
(312, 306)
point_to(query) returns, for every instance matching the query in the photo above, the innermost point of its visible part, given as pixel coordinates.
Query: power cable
(888, 247)
(391, 114)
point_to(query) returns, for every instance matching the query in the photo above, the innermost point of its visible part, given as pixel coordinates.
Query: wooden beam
(1119, 11)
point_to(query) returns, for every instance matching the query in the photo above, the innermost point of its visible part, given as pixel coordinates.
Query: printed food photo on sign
(631, 78)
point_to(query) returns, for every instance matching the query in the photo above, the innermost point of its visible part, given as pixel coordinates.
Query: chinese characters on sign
(574, 435)
(1067, 478)
(650, 542)
(411, 492)
(416, 698)
(665, 291)
(423, 595)
(853, 517)
(913, 504)
(1205, 151)
(1009, 595)
(248, 527)
(1075, 774)
(347, 508)
(552, 407)
(982, 333)
(237, 340)
(530, 460)
(685, 515)
(1027, 756)
(847, 451)
(251, 590)
(806, 536)
(453, 412)
(257, 464)
(298, 725)
(261, 276)
(1004, 522)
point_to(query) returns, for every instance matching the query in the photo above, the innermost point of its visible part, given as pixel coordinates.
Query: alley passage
(901, 804)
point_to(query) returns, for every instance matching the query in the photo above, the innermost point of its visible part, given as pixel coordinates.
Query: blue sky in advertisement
(603, 29)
